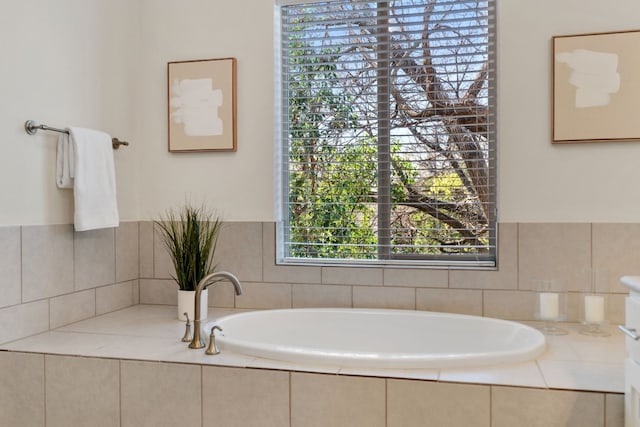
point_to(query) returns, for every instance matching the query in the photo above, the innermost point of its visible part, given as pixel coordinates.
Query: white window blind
(387, 129)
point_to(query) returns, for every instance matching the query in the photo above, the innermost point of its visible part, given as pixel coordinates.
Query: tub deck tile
(521, 374)
(588, 376)
(414, 374)
(152, 333)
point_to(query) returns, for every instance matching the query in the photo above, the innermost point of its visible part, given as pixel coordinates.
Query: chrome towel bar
(31, 127)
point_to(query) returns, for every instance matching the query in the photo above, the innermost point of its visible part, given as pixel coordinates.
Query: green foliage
(331, 212)
(329, 180)
(190, 235)
(419, 233)
(333, 161)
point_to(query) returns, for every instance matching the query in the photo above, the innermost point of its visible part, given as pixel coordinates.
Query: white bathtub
(377, 338)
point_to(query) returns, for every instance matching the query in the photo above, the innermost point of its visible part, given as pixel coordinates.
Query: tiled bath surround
(52, 276)
(528, 251)
(74, 391)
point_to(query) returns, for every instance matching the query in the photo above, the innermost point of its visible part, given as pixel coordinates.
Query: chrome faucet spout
(197, 341)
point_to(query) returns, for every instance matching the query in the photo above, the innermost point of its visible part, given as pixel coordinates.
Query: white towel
(65, 159)
(94, 180)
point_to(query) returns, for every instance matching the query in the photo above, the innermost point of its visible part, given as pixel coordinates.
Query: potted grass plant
(190, 235)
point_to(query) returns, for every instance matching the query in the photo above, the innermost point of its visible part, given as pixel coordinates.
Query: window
(387, 132)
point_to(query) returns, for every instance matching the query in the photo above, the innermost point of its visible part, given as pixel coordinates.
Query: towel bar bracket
(30, 128)
(116, 143)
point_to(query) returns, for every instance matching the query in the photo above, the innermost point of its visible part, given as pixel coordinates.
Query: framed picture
(202, 105)
(596, 87)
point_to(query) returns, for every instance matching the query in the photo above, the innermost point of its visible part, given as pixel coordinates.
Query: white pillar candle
(593, 309)
(549, 306)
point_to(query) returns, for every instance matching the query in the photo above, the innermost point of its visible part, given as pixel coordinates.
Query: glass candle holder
(550, 307)
(594, 316)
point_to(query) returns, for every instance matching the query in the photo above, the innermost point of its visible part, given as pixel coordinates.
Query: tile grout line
(139, 253)
(491, 405)
(517, 256)
(290, 399)
(386, 402)
(120, 390)
(604, 409)
(541, 372)
(44, 386)
(21, 265)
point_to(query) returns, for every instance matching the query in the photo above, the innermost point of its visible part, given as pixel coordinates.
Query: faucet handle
(187, 332)
(213, 347)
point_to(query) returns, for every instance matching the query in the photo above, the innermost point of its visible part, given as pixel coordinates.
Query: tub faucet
(197, 341)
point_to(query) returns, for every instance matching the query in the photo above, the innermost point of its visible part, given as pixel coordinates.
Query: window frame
(472, 261)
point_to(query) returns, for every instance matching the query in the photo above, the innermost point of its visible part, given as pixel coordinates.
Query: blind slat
(337, 58)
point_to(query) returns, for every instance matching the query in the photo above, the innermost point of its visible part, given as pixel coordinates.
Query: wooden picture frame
(596, 87)
(202, 105)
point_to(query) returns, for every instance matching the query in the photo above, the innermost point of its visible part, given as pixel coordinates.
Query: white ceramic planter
(186, 303)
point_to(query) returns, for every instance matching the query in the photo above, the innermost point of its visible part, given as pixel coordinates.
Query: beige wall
(64, 63)
(103, 64)
(539, 181)
(239, 184)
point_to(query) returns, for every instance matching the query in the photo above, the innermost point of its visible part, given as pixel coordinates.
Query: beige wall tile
(422, 403)
(615, 308)
(239, 250)
(332, 400)
(513, 305)
(290, 274)
(145, 242)
(554, 251)
(21, 389)
(10, 279)
(47, 261)
(127, 252)
(505, 277)
(71, 308)
(416, 277)
(160, 394)
(114, 297)
(162, 264)
(234, 397)
(283, 273)
(136, 292)
(19, 321)
(616, 253)
(82, 391)
(352, 276)
(384, 297)
(158, 291)
(450, 301)
(94, 258)
(222, 295)
(165, 292)
(511, 406)
(575, 302)
(321, 296)
(614, 410)
(265, 295)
